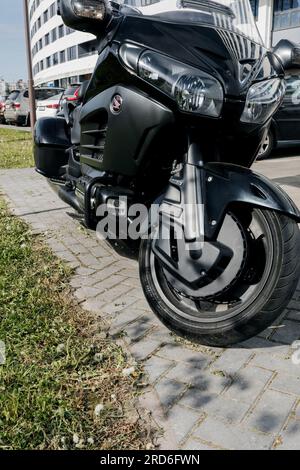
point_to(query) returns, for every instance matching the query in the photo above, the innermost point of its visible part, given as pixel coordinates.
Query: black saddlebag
(51, 142)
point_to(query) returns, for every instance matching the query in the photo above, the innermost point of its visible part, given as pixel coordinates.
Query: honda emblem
(116, 104)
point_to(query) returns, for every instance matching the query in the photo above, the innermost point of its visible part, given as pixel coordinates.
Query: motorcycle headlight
(194, 91)
(262, 100)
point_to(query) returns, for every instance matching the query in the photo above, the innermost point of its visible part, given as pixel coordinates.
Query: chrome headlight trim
(263, 99)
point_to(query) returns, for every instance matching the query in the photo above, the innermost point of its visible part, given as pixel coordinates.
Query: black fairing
(201, 46)
(118, 141)
(232, 58)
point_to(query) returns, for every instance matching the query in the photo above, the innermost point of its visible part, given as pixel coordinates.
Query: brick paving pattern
(245, 397)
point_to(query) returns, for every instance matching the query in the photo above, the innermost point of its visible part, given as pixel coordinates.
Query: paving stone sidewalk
(245, 397)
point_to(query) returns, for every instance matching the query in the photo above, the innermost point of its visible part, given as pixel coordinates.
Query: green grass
(59, 364)
(15, 149)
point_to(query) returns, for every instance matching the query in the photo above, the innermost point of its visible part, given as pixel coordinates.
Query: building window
(83, 78)
(61, 31)
(73, 80)
(55, 59)
(48, 62)
(254, 6)
(87, 48)
(64, 82)
(69, 30)
(47, 39)
(33, 30)
(39, 22)
(46, 16)
(72, 53)
(53, 9)
(41, 65)
(62, 56)
(53, 35)
(286, 14)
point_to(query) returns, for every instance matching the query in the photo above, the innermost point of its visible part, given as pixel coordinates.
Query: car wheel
(267, 146)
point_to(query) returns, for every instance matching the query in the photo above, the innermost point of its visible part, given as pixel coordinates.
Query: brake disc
(231, 235)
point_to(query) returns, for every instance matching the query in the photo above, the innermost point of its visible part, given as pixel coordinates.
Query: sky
(12, 41)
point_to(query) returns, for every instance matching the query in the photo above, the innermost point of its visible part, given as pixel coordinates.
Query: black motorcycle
(173, 117)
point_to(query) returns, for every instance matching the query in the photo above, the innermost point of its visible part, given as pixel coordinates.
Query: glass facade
(254, 5)
(54, 36)
(44, 18)
(72, 53)
(286, 14)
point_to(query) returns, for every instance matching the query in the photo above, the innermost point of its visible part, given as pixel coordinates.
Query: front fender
(194, 205)
(225, 184)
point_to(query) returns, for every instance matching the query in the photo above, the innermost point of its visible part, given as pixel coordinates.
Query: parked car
(2, 109)
(12, 106)
(48, 107)
(70, 94)
(285, 126)
(17, 105)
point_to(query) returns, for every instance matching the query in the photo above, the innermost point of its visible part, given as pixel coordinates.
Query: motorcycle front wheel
(220, 314)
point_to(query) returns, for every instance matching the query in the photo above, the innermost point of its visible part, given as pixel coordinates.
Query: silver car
(11, 107)
(17, 104)
(2, 109)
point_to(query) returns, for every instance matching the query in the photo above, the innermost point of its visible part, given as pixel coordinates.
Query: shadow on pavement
(289, 181)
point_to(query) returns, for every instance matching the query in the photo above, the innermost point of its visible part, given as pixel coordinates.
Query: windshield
(71, 90)
(13, 95)
(231, 15)
(44, 94)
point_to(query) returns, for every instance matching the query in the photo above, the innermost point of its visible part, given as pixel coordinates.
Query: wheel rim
(218, 309)
(265, 146)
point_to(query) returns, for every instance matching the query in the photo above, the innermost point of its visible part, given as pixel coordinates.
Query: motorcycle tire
(188, 318)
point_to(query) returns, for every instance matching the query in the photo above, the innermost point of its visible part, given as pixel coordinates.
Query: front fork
(183, 219)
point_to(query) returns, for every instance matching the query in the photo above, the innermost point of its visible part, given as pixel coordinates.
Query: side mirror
(288, 53)
(91, 16)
